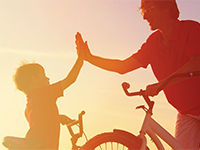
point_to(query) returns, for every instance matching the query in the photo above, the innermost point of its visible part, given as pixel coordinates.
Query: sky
(44, 31)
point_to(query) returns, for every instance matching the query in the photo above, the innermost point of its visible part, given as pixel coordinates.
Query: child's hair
(24, 73)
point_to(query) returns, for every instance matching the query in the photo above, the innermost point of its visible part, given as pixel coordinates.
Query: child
(41, 109)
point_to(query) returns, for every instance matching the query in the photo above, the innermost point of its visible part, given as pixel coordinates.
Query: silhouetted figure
(41, 110)
(173, 48)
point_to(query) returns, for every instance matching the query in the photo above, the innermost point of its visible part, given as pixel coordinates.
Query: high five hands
(82, 47)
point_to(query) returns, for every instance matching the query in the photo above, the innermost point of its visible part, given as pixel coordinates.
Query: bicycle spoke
(111, 146)
(100, 147)
(109, 141)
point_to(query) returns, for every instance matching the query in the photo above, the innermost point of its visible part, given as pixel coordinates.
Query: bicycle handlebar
(76, 136)
(126, 86)
(150, 103)
(64, 120)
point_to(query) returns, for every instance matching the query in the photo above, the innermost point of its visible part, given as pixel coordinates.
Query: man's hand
(152, 90)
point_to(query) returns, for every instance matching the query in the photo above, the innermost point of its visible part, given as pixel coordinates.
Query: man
(173, 48)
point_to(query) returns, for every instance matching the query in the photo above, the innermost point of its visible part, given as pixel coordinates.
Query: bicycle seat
(11, 142)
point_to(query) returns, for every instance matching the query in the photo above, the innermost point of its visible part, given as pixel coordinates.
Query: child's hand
(79, 45)
(64, 120)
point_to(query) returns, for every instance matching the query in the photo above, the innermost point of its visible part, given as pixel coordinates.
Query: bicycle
(120, 139)
(116, 140)
(16, 143)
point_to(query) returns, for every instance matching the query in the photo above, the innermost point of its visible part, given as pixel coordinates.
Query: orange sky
(44, 30)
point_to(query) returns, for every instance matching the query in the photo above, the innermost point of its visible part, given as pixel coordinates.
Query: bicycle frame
(14, 143)
(150, 126)
(154, 130)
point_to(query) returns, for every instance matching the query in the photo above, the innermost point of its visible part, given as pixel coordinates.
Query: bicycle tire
(111, 141)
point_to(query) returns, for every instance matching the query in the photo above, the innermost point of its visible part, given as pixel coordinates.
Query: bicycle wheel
(111, 141)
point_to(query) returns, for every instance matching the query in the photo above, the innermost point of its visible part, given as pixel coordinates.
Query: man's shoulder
(189, 23)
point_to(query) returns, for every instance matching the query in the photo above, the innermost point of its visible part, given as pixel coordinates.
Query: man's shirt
(184, 44)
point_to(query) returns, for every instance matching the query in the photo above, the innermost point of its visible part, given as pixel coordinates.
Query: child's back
(43, 116)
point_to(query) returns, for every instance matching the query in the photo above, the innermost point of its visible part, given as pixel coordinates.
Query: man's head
(157, 12)
(30, 76)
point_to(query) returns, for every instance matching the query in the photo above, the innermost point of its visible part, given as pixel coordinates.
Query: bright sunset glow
(44, 31)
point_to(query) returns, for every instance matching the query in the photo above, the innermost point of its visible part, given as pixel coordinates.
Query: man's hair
(165, 4)
(23, 75)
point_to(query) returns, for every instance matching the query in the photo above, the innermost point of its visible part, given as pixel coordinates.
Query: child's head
(30, 76)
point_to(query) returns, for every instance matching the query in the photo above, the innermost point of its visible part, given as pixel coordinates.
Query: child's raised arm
(73, 74)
